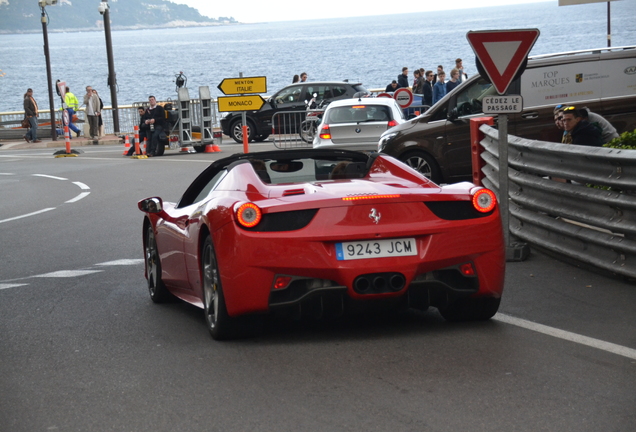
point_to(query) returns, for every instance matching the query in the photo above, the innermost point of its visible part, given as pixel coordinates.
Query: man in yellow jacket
(72, 104)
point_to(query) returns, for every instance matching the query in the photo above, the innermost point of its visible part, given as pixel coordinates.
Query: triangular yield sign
(502, 52)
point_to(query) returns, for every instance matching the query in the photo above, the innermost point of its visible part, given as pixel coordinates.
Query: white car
(356, 124)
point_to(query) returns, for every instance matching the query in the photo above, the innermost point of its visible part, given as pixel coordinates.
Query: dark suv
(290, 98)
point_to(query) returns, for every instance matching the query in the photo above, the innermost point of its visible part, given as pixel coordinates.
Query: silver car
(356, 124)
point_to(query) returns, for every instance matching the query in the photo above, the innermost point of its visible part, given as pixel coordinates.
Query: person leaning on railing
(582, 131)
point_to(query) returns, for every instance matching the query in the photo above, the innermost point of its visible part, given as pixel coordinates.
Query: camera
(102, 8)
(43, 3)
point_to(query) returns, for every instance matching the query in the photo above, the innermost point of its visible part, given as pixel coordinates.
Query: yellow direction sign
(240, 103)
(247, 85)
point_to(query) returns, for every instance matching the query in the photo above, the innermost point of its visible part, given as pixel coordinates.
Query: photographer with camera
(155, 117)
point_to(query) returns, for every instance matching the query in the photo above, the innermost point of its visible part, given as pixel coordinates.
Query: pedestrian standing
(439, 89)
(403, 78)
(418, 82)
(154, 118)
(92, 111)
(460, 68)
(427, 89)
(454, 81)
(100, 121)
(72, 105)
(31, 113)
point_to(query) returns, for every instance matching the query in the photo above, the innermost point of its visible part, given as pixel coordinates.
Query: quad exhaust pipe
(376, 283)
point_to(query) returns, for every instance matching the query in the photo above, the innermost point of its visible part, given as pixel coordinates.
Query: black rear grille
(455, 210)
(284, 221)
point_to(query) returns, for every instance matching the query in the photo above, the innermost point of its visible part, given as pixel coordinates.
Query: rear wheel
(156, 288)
(219, 323)
(471, 309)
(422, 163)
(236, 131)
(199, 148)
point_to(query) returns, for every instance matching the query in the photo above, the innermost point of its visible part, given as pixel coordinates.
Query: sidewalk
(47, 142)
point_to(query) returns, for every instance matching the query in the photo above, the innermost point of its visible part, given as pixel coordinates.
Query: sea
(371, 49)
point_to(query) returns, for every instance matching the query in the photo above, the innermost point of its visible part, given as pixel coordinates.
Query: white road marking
(68, 273)
(7, 174)
(122, 262)
(73, 200)
(77, 198)
(7, 286)
(27, 215)
(71, 273)
(49, 176)
(566, 335)
(82, 185)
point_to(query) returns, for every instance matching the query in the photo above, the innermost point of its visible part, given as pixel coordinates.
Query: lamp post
(112, 77)
(42, 4)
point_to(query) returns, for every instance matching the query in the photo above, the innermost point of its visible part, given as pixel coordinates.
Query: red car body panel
(249, 260)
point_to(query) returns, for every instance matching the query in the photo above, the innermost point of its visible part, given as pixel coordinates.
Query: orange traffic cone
(126, 146)
(145, 146)
(210, 148)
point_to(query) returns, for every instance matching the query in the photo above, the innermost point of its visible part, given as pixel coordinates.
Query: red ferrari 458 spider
(318, 230)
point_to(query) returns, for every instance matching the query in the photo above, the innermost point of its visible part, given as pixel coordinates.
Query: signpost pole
(503, 176)
(246, 146)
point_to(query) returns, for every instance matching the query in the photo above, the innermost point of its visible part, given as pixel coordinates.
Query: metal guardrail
(286, 128)
(590, 225)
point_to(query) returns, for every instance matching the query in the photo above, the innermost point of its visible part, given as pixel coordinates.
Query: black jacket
(403, 81)
(587, 134)
(158, 114)
(427, 91)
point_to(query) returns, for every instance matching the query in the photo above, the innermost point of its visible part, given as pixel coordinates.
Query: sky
(251, 11)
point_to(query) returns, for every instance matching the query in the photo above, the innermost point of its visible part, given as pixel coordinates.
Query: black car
(290, 98)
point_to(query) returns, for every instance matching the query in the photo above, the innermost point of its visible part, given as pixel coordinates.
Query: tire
(423, 163)
(199, 148)
(236, 131)
(156, 288)
(471, 309)
(307, 131)
(220, 325)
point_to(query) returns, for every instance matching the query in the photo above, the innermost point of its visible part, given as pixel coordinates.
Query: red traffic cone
(126, 146)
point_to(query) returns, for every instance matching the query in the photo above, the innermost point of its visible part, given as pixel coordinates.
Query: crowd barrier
(553, 206)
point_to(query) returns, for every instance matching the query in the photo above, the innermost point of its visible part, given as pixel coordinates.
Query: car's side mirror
(453, 115)
(151, 205)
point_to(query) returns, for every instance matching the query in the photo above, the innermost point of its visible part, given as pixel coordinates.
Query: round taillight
(484, 200)
(249, 215)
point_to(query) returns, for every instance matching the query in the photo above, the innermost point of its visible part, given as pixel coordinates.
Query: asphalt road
(82, 347)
